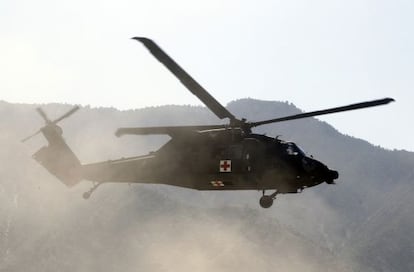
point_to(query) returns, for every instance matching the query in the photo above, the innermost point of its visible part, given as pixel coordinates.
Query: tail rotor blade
(69, 113)
(43, 114)
(48, 122)
(29, 137)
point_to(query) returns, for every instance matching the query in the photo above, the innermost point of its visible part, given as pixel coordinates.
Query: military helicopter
(205, 157)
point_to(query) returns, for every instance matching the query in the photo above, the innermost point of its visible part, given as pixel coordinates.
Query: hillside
(363, 223)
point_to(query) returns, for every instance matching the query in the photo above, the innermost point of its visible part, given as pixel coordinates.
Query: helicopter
(202, 157)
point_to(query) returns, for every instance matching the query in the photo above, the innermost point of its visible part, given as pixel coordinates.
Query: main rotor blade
(186, 79)
(172, 130)
(69, 113)
(327, 111)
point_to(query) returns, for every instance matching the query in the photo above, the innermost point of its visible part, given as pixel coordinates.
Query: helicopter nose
(319, 170)
(326, 174)
(331, 175)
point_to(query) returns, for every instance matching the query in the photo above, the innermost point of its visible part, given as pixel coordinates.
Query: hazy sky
(315, 54)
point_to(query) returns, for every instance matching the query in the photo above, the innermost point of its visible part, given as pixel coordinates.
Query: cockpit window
(293, 149)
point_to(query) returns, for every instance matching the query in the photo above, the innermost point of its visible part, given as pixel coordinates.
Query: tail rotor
(49, 122)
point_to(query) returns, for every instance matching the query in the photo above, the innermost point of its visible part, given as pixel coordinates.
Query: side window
(291, 150)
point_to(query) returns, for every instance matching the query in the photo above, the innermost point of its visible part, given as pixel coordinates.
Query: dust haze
(45, 226)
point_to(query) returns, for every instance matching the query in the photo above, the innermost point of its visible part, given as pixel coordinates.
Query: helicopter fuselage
(219, 160)
(202, 157)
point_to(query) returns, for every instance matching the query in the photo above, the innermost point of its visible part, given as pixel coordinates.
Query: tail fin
(58, 158)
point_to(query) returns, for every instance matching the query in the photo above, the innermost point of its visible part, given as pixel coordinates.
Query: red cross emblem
(225, 166)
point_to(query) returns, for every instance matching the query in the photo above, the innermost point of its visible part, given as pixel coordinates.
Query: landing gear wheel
(266, 201)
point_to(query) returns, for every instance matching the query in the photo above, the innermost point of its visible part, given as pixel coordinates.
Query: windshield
(293, 149)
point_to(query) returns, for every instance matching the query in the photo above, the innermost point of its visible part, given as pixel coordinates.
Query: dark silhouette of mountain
(363, 223)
